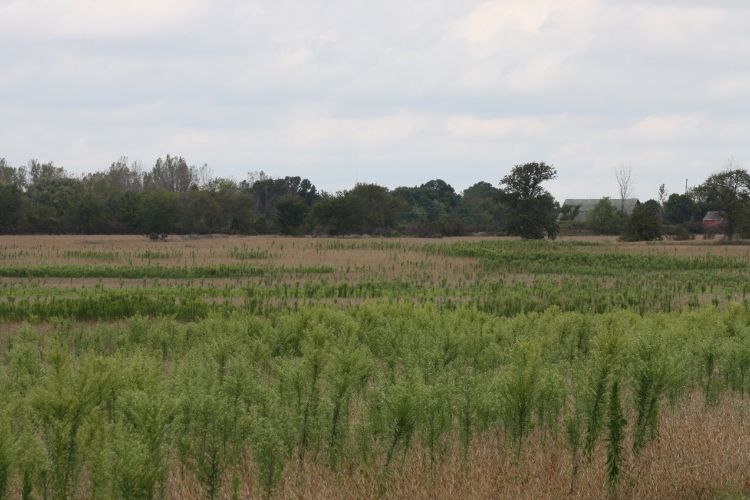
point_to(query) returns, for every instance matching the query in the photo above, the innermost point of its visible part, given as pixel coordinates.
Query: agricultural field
(261, 367)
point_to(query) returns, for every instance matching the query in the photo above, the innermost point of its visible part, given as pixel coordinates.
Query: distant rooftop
(712, 215)
(586, 205)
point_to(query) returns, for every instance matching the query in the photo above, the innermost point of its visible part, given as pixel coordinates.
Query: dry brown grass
(690, 248)
(366, 261)
(350, 264)
(701, 453)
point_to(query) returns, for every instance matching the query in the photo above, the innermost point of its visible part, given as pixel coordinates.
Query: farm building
(582, 208)
(711, 222)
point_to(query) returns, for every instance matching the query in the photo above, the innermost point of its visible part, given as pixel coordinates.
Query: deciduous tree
(532, 211)
(729, 193)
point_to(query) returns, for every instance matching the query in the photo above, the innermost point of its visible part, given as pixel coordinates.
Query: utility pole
(686, 188)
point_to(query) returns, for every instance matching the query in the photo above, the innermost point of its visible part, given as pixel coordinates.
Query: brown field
(215, 248)
(353, 259)
(700, 453)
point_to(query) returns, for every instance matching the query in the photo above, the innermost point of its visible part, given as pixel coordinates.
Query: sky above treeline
(391, 92)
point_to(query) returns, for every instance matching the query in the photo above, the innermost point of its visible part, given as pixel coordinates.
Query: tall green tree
(432, 208)
(267, 191)
(729, 193)
(604, 218)
(482, 209)
(291, 211)
(53, 197)
(158, 212)
(681, 209)
(12, 176)
(88, 213)
(365, 209)
(201, 213)
(532, 211)
(11, 208)
(171, 174)
(330, 215)
(236, 205)
(373, 209)
(644, 223)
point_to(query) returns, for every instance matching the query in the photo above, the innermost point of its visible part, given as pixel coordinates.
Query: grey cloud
(389, 92)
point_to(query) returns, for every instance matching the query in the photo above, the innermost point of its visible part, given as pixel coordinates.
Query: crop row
(108, 410)
(564, 258)
(166, 272)
(195, 299)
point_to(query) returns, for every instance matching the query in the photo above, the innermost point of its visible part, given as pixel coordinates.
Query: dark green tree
(12, 176)
(644, 223)
(52, 197)
(431, 209)
(171, 174)
(201, 213)
(532, 211)
(88, 213)
(268, 190)
(372, 208)
(291, 211)
(729, 193)
(11, 208)
(44, 171)
(604, 218)
(482, 210)
(681, 209)
(124, 177)
(158, 212)
(331, 215)
(237, 205)
(365, 209)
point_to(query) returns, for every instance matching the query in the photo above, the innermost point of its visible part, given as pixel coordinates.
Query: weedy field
(235, 367)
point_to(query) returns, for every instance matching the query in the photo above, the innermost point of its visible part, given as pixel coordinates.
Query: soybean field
(262, 367)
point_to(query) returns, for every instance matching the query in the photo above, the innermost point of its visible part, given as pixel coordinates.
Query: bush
(604, 218)
(679, 232)
(644, 223)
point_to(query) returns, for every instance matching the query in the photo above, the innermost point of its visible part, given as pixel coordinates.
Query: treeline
(725, 195)
(175, 198)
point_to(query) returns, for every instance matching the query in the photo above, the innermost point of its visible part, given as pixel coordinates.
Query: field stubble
(683, 463)
(340, 368)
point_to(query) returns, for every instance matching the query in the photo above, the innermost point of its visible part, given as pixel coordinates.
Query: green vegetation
(170, 272)
(98, 402)
(90, 254)
(513, 278)
(174, 198)
(604, 218)
(108, 390)
(644, 223)
(531, 208)
(245, 253)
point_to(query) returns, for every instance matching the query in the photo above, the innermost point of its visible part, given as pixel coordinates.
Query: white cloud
(472, 128)
(667, 128)
(492, 24)
(96, 18)
(523, 46)
(366, 133)
(401, 92)
(730, 87)
(679, 27)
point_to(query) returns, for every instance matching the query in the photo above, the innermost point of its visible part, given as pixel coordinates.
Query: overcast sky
(392, 92)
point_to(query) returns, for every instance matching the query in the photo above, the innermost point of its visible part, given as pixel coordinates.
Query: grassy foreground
(477, 369)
